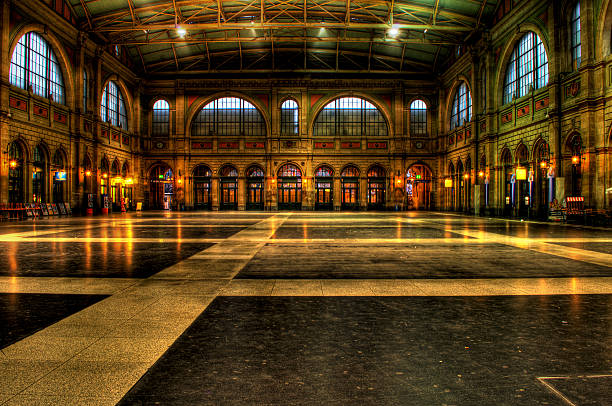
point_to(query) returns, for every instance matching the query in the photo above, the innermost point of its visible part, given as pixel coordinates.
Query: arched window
(34, 64)
(160, 120)
(350, 116)
(255, 172)
(228, 171)
(461, 110)
(376, 172)
(418, 118)
(289, 171)
(228, 116)
(125, 170)
(575, 40)
(39, 175)
(85, 91)
(112, 109)
(350, 171)
(115, 168)
(289, 118)
(324, 172)
(58, 160)
(528, 67)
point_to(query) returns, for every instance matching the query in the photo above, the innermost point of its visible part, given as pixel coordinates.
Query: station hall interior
(303, 202)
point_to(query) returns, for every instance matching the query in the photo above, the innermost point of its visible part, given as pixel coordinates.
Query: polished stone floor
(304, 309)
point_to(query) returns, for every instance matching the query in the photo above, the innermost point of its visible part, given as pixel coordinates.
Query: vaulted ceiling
(350, 36)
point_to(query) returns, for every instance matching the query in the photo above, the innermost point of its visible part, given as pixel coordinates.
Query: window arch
(575, 40)
(255, 172)
(350, 171)
(115, 168)
(112, 109)
(289, 117)
(289, 171)
(461, 110)
(33, 63)
(528, 67)
(58, 159)
(228, 171)
(160, 119)
(228, 116)
(350, 116)
(125, 169)
(324, 171)
(377, 171)
(418, 118)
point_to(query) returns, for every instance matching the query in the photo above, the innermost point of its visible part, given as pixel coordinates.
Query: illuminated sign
(60, 176)
(521, 173)
(448, 183)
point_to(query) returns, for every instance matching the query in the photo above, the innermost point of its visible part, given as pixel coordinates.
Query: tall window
(418, 118)
(113, 109)
(160, 122)
(85, 91)
(576, 47)
(350, 116)
(289, 118)
(228, 116)
(528, 67)
(34, 64)
(461, 110)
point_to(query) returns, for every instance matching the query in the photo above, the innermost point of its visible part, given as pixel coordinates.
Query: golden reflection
(304, 231)
(12, 257)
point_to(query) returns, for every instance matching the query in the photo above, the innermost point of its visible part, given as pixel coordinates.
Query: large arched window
(575, 40)
(228, 116)
(418, 118)
(34, 64)
(528, 67)
(112, 109)
(289, 118)
(461, 110)
(160, 120)
(350, 116)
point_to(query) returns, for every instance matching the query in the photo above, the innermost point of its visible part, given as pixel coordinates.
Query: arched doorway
(350, 188)
(228, 176)
(161, 183)
(15, 178)
(105, 173)
(324, 195)
(255, 188)
(451, 188)
(461, 186)
(418, 187)
(39, 175)
(126, 189)
(575, 148)
(376, 188)
(289, 187)
(59, 178)
(115, 182)
(467, 182)
(523, 185)
(508, 178)
(543, 182)
(201, 188)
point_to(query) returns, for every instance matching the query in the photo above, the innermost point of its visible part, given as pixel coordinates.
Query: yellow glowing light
(13, 163)
(575, 159)
(87, 173)
(481, 174)
(105, 175)
(521, 173)
(448, 183)
(466, 176)
(129, 181)
(180, 181)
(543, 164)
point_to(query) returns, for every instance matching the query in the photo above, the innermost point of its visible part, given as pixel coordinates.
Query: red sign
(324, 145)
(255, 145)
(60, 118)
(377, 145)
(41, 111)
(201, 145)
(228, 145)
(351, 145)
(18, 104)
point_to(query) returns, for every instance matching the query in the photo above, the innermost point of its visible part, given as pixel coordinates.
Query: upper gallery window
(228, 116)
(418, 118)
(112, 109)
(350, 116)
(461, 110)
(34, 64)
(576, 47)
(289, 118)
(528, 67)
(160, 120)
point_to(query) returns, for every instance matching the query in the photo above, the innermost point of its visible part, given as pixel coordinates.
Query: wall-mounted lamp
(576, 160)
(105, 175)
(481, 174)
(543, 164)
(87, 173)
(521, 173)
(466, 176)
(448, 183)
(13, 163)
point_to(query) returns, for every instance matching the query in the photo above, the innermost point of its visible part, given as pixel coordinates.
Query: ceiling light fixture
(181, 32)
(393, 31)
